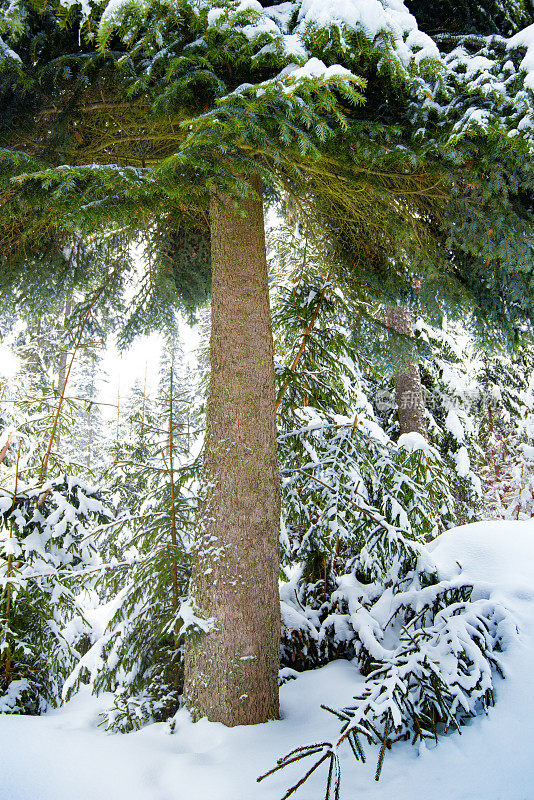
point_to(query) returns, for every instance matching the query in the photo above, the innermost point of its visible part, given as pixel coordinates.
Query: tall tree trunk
(408, 386)
(231, 673)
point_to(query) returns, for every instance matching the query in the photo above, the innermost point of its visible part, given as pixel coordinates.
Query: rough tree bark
(231, 673)
(408, 386)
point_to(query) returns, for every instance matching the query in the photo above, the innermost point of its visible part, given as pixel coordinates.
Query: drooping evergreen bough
(428, 649)
(426, 644)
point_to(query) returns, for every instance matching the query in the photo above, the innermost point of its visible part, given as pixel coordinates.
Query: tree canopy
(414, 151)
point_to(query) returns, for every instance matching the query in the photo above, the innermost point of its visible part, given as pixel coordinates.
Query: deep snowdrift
(65, 756)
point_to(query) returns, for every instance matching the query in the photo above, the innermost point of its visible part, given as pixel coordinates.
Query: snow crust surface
(64, 755)
(525, 38)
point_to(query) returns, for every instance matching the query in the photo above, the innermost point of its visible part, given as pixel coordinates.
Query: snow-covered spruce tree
(219, 96)
(140, 653)
(363, 584)
(426, 646)
(478, 404)
(449, 361)
(428, 649)
(129, 446)
(344, 481)
(47, 552)
(520, 495)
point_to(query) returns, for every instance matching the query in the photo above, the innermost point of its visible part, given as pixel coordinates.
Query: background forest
(336, 198)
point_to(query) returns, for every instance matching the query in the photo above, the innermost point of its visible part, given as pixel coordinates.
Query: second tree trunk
(408, 386)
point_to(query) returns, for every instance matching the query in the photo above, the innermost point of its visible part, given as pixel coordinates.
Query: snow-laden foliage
(344, 480)
(300, 93)
(290, 30)
(139, 655)
(344, 486)
(359, 508)
(47, 555)
(428, 646)
(479, 406)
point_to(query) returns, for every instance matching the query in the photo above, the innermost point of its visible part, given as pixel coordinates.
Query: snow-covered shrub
(47, 555)
(139, 657)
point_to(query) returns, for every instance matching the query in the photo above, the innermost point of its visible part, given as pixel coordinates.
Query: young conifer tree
(139, 655)
(47, 550)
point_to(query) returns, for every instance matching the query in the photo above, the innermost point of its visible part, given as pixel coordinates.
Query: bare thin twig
(6, 447)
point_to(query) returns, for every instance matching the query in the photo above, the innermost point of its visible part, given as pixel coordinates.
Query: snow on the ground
(65, 756)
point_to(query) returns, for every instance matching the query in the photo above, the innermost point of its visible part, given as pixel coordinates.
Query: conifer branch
(304, 342)
(360, 508)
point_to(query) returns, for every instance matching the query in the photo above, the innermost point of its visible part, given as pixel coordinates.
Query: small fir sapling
(47, 556)
(343, 479)
(140, 654)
